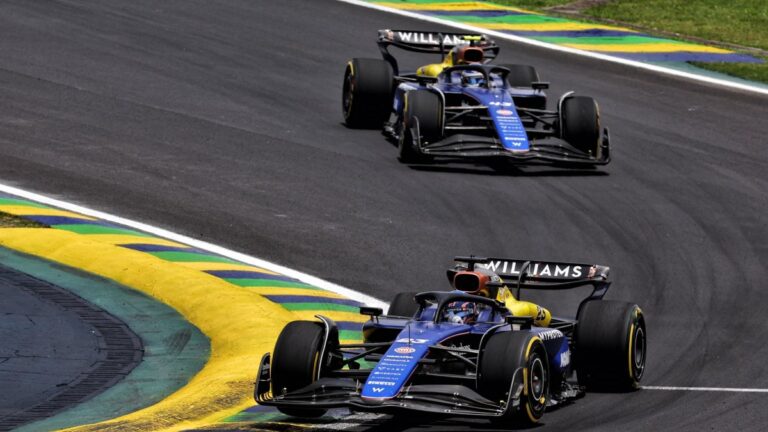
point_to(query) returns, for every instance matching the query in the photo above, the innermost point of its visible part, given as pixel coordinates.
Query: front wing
(541, 150)
(328, 393)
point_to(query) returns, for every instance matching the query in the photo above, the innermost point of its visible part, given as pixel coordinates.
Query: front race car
(463, 352)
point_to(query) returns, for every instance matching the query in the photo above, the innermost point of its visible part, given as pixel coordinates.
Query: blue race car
(464, 107)
(463, 352)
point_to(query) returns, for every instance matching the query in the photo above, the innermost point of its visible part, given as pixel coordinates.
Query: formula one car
(462, 352)
(466, 108)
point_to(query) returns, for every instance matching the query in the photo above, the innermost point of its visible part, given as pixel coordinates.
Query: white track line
(160, 232)
(706, 389)
(500, 35)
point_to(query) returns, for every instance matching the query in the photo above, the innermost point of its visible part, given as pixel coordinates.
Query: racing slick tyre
(367, 93)
(295, 362)
(423, 112)
(524, 76)
(521, 75)
(403, 305)
(428, 108)
(610, 345)
(580, 124)
(515, 357)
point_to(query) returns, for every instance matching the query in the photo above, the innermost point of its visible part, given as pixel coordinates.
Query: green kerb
(350, 335)
(253, 283)
(507, 19)
(608, 40)
(319, 307)
(87, 228)
(190, 257)
(21, 202)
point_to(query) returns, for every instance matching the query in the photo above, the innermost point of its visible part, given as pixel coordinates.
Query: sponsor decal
(405, 350)
(384, 383)
(550, 335)
(537, 269)
(497, 103)
(412, 341)
(565, 359)
(505, 112)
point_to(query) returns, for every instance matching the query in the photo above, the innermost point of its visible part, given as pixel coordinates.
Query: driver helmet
(472, 78)
(461, 312)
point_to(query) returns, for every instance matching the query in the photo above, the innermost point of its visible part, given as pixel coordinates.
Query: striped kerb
(599, 38)
(291, 294)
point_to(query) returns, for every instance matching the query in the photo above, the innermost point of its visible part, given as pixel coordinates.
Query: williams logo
(405, 350)
(564, 271)
(429, 38)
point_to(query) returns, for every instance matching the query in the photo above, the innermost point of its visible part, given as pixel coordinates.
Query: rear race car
(459, 353)
(467, 108)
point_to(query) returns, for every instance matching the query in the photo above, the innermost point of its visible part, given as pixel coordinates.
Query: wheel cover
(538, 379)
(638, 352)
(349, 90)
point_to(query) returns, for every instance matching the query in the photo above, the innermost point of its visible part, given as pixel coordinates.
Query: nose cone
(373, 401)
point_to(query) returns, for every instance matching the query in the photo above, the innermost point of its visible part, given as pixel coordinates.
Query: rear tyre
(611, 345)
(403, 305)
(521, 75)
(580, 124)
(295, 362)
(503, 355)
(524, 76)
(367, 93)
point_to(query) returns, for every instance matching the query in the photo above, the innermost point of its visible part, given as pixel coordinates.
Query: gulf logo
(504, 112)
(405, 350)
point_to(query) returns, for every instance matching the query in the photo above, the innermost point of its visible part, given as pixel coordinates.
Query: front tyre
(580, 124)
(611, 345)
(296, 363)
(518, 357)
(367, 93)
(422, 123)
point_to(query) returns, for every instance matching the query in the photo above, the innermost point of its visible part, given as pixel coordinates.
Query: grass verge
(12, 221)
(742, 25)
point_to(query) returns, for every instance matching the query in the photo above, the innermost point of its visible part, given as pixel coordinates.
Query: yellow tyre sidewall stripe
(528, 411)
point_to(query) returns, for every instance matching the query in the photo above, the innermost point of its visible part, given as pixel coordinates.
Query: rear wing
(541, 275)
(431, 43)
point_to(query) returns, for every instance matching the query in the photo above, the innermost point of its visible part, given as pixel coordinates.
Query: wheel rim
(638, 352)
(538, 382)
(349, 87)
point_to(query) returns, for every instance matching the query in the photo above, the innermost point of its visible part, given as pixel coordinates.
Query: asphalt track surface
(56, 349)
(221, 120)
(44, 347)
